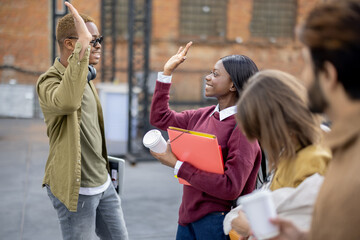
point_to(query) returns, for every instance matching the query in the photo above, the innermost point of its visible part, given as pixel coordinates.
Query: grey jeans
(100, 213)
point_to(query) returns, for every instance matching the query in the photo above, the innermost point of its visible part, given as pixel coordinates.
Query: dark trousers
(209, 227)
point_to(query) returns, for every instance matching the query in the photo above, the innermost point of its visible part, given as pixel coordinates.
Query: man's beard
(317, 102)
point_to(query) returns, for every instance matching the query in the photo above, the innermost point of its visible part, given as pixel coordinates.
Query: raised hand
(176, 60)
(81, 29)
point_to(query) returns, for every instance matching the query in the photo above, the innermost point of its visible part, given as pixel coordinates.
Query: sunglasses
(93, 42)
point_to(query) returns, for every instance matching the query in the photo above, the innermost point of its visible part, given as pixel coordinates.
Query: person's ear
(233, 88)
(330, 75)
(69, 44)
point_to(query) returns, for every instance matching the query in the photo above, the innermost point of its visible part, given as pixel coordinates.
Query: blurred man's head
(67, 36)
(331, 34)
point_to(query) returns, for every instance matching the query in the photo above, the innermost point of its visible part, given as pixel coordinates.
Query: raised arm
(62, 93)
(82, 31)
(161, 116)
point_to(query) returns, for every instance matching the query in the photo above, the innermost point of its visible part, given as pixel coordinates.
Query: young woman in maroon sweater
(209, 198)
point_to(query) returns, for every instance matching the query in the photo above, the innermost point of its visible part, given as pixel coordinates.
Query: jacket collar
(59, 67)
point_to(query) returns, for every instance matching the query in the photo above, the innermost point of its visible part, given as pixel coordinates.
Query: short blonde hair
(66, 27)
(273, 109)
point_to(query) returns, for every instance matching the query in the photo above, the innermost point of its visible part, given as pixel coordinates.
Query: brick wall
(25, 33)
(25, 41)
(25, 29)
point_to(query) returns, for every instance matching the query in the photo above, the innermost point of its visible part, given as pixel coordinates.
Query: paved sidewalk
(150, 202)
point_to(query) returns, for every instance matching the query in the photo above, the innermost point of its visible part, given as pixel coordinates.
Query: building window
(273, 19)
(203, 18)
(122, 9)
(122, 18)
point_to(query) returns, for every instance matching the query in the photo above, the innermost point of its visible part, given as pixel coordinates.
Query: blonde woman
(273, 109)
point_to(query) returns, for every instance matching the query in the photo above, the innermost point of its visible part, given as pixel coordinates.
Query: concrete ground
(150, 200)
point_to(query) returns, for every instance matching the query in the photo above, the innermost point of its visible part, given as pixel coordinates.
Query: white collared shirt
(225, 113)
(163, 78)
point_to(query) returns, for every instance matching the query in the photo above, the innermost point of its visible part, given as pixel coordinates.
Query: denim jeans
(209, 227)
(100, 213)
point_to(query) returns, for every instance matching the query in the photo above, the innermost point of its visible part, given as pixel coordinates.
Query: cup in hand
(259, 208)
(155, 141)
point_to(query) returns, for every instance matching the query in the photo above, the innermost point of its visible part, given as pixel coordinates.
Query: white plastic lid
(152, 138)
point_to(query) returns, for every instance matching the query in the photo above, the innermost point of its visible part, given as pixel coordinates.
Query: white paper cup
(155, 141)
(259, 208)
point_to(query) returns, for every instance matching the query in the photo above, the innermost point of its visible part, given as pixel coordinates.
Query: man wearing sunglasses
(77, 170)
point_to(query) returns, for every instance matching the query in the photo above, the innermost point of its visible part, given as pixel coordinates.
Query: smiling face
(218, 82)
(95, 52)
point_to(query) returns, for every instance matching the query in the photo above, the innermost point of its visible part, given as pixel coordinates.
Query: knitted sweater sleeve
(161, 116)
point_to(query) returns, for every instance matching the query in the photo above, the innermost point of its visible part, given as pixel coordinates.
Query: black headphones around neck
(92, 73)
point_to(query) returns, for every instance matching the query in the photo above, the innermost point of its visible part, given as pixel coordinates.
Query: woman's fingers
(176, 60)
(183, 51)
(186, 49)
(180, 49)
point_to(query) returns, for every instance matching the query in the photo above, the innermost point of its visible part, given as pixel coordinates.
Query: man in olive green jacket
(76, 172)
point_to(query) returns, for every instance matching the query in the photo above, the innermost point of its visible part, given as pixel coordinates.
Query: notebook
(199, 149)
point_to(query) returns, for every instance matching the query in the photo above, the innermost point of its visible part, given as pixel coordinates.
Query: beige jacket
(337, 209)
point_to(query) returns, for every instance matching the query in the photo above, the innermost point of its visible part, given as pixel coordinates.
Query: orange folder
(200, 149)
